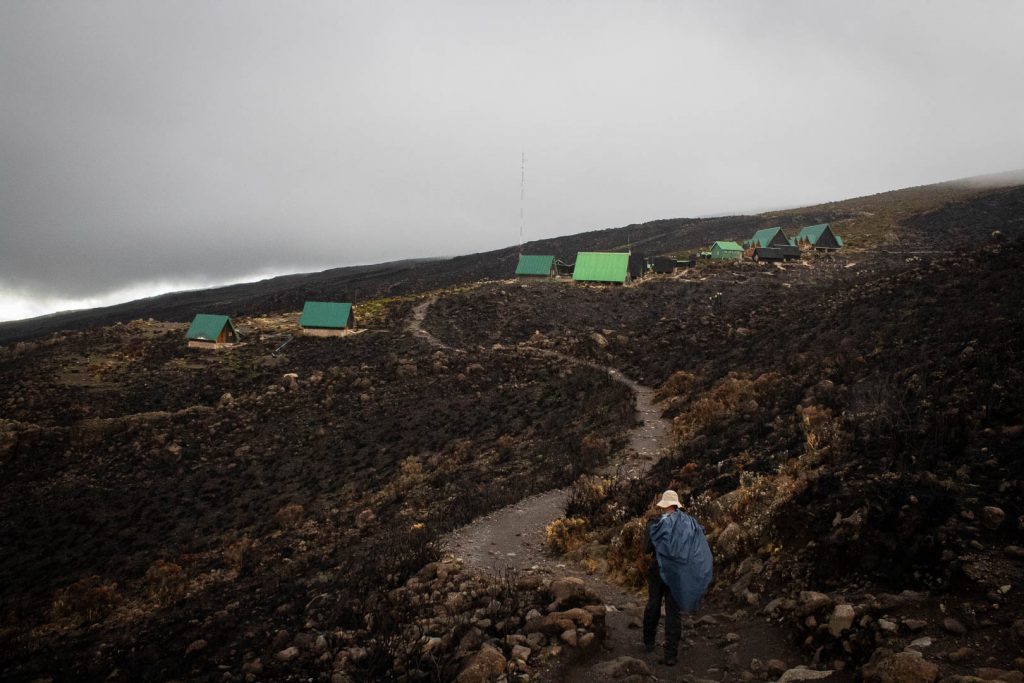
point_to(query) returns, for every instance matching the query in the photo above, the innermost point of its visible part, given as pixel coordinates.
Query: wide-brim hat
(668, 499)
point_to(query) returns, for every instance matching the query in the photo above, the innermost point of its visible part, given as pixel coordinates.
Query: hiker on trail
(679, 574)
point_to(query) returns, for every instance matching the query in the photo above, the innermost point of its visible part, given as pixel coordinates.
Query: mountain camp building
(767, 254)
(819, 237)
(211, 332)
(726, 250)
(663, 265)
(768, 237)
(535, 266)
(326, 318)
(596, 266)
(637, 266)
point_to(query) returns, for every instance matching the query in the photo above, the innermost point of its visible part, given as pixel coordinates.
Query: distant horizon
(138, 292)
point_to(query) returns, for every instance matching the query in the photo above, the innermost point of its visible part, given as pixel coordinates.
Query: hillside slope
(847, 428)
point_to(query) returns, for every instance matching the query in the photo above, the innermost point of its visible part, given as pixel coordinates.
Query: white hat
(668, 499)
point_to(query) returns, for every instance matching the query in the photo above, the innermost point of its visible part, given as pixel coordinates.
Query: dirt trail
(512, 538)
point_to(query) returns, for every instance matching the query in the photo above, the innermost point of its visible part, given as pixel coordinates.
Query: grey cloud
(145, 141)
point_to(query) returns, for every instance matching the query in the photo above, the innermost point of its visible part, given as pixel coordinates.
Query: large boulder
(908, 666)
(483, 667)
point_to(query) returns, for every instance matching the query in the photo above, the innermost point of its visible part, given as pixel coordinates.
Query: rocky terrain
(847, 428)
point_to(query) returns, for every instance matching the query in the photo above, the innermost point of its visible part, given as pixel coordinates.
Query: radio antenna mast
(522, 195)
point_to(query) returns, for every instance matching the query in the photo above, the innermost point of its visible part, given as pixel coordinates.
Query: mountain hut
(726, 250)
(598, 266)
(531, 266)
(637, 266)
(663, 265)
(326, 318)
(211, 332)
(767, 254)
(768, 237)
(820, 237)
(789, 252)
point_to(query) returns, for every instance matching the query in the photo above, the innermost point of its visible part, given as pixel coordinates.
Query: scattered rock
(195, 646)
(567, 589)
(992, 674)
(812, 601)
(908, 666)
(803, 674)
(841, 619)
(960, 655)
(288, 654)
(992, 517)
(915, 625)
(954, 626)
(483, 667)
(521, 652)
(620, 668)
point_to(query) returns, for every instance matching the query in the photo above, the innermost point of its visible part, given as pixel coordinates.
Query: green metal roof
(812, 232)
(325, 314)
(764, 237)
(726, 246)
(596, 266)
(534, 265)
(206, 327)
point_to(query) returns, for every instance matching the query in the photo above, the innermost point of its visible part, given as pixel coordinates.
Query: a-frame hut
(768, 237)
(597, 266)
(819, 236)
(531, 266)
(326, 318)
(211, 332)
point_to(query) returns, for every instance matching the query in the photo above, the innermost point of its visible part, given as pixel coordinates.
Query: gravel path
(716, 646)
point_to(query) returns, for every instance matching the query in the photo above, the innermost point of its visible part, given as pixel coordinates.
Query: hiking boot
(668, 660)
(648, 647)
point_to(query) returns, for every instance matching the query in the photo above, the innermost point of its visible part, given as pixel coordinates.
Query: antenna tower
(522, 195)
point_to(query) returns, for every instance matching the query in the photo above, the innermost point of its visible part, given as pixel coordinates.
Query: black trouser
(656, 591)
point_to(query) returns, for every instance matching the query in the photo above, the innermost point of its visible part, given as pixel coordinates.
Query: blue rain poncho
(684, 558)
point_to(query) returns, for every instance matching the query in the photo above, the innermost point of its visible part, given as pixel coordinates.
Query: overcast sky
(147, 146)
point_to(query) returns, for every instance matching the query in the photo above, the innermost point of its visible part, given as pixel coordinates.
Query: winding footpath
(513, 538)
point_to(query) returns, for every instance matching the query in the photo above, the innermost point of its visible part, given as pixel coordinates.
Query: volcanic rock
(483, 667)
(841, 619)
(908, 666)
(620, 667)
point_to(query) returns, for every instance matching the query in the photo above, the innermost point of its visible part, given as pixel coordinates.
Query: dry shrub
(586, 497)
(290, 515)
(594, 449)
(731, 396)
(819, 427)
(565, 536)
(679, 384)
(165, 581)
(239, 553)
(626, 556)
(88, 599)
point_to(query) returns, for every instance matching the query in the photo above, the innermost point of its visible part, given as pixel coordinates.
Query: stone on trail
(812, 601)
(908, 666)
(954, 626)
(288, 654)
(567, 589)
(619, 668)
(802, 674)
